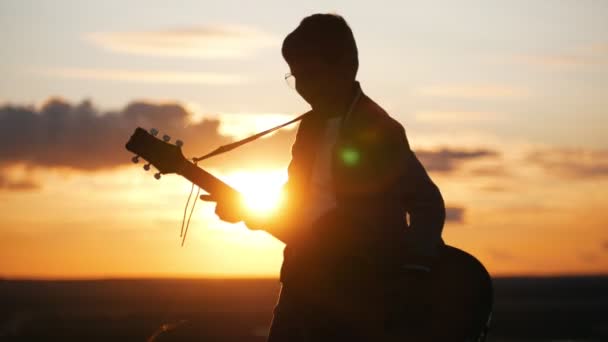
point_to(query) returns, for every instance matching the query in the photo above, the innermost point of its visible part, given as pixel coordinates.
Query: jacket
(376, 179)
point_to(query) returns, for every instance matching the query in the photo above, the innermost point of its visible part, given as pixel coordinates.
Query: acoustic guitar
(455, 293)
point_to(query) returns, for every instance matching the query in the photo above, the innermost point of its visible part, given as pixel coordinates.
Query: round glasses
(290, 80)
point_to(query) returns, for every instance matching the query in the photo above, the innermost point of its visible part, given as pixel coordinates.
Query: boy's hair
(327, 36)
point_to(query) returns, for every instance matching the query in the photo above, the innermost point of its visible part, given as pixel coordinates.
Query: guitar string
(181, 232)
(198, 191)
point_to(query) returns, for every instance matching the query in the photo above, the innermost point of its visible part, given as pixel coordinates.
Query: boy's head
(322, 55)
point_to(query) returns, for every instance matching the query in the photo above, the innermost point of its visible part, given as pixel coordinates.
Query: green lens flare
(350, 156)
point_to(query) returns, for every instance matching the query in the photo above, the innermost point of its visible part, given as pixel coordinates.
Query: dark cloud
(80, 137)
(454, 214)
(571, 163)
(446, 159)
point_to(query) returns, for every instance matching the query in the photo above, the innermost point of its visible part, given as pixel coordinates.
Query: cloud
(589, 257)
(494, 188)
(80, 137)
(502, 255)
(454, 214)
(456, 116)
(571, 163)
(10, 184)
(446, 159)
(593, 255)
(473, 91)
(144, 76)
(579, 57)
(219, 41)
(491, 171)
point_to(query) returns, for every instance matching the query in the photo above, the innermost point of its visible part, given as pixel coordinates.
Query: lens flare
(350, 156)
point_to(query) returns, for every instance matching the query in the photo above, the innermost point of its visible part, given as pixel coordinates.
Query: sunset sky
(504, 102)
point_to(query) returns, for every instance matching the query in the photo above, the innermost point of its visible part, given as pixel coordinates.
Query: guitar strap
(232, 146)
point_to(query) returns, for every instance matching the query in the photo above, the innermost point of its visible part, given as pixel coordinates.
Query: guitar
(456, 293)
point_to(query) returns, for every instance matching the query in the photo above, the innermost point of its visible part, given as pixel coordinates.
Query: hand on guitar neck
(168, 158)
(223, 210)
(276, 225)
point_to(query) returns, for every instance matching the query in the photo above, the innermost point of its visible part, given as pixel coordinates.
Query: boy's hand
(227, 211)
(234, 213)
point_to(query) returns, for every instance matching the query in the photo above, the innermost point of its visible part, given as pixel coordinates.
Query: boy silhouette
(353, 182)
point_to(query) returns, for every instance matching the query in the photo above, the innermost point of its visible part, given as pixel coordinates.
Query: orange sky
(516, 218)
(503, 102)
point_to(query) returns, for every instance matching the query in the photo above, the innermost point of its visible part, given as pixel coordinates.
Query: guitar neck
(208, 182)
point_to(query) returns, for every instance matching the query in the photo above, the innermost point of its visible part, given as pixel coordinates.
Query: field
(526, 309)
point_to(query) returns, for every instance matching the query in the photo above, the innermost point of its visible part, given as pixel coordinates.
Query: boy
(352, 179)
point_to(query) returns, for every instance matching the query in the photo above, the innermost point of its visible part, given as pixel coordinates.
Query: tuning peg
(135, 159)
(154, 131)
(166, 138)
(179, 143)
(157, 175)
(147, 167)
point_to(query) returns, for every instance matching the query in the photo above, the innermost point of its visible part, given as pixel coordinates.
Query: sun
(261, 190)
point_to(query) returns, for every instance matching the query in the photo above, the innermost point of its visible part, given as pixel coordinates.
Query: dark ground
(526, 309)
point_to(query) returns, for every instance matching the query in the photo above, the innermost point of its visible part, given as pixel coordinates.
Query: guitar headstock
(166, 157)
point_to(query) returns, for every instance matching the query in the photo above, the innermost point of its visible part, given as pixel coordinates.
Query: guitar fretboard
(209, 182)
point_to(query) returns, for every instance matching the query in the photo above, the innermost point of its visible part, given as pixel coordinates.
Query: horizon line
(236, 278)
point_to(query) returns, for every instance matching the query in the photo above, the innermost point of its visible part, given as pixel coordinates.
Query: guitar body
(460, 294)
(451, 302)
